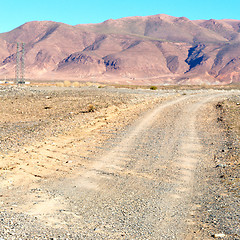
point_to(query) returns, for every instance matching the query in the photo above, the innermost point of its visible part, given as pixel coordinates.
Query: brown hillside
(153, 47)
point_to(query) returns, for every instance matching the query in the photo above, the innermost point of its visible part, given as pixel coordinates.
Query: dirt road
(145, 182)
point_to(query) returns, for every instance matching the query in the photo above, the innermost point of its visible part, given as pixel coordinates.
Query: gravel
(152, 178)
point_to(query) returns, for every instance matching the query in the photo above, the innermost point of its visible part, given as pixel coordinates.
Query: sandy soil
(141, 165)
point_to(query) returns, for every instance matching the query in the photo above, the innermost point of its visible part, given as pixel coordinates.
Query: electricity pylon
(20, 64)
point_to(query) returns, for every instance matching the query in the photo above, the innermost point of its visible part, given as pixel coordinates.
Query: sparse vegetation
(59, 84)
(76, 84)
(91, 108)
(67, 83)
(153, 88)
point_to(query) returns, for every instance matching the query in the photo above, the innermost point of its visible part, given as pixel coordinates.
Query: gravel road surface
(147, 181)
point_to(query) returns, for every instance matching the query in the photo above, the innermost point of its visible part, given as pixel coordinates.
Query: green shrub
(153, 88)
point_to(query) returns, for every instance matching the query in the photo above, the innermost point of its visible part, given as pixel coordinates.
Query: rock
(219, 235)
(221, 165)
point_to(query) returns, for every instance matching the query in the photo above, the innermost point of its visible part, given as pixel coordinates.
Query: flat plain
(117, 163)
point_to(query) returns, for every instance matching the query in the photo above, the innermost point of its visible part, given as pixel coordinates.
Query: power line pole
(23, 64)
(17, 63)
(20, 64)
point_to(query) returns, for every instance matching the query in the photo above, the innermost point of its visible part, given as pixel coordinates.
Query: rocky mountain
(157, 49)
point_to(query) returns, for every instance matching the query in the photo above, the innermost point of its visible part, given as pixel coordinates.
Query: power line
(23, 64)
(20, 64)
(17, 63)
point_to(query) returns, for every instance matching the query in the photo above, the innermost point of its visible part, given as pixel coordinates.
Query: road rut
(141, 185)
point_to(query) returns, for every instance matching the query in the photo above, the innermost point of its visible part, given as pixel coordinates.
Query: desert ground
(115, 163)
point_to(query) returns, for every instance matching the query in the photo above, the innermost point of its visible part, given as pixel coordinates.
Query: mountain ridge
(166, 49)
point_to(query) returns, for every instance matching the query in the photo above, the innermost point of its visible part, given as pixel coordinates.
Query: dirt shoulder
(39, 126)
(229, 116)
(218, 212)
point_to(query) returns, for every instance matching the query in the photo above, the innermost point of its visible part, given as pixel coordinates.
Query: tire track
(166, 200)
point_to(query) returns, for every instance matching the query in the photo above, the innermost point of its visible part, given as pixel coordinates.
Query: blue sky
(15, 12)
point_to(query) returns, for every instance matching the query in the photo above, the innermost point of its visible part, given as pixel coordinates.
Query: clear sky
(16, 12)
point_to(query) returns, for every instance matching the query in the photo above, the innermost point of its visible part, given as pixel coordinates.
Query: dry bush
(91, 108)
(59, 84)
(67, 83)
(76, 84)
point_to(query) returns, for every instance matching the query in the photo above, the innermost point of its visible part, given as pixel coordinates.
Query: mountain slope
(159, 27)
(163, 48)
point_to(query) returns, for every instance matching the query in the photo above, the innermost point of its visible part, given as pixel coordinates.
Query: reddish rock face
(160, 48)
(82, 64)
